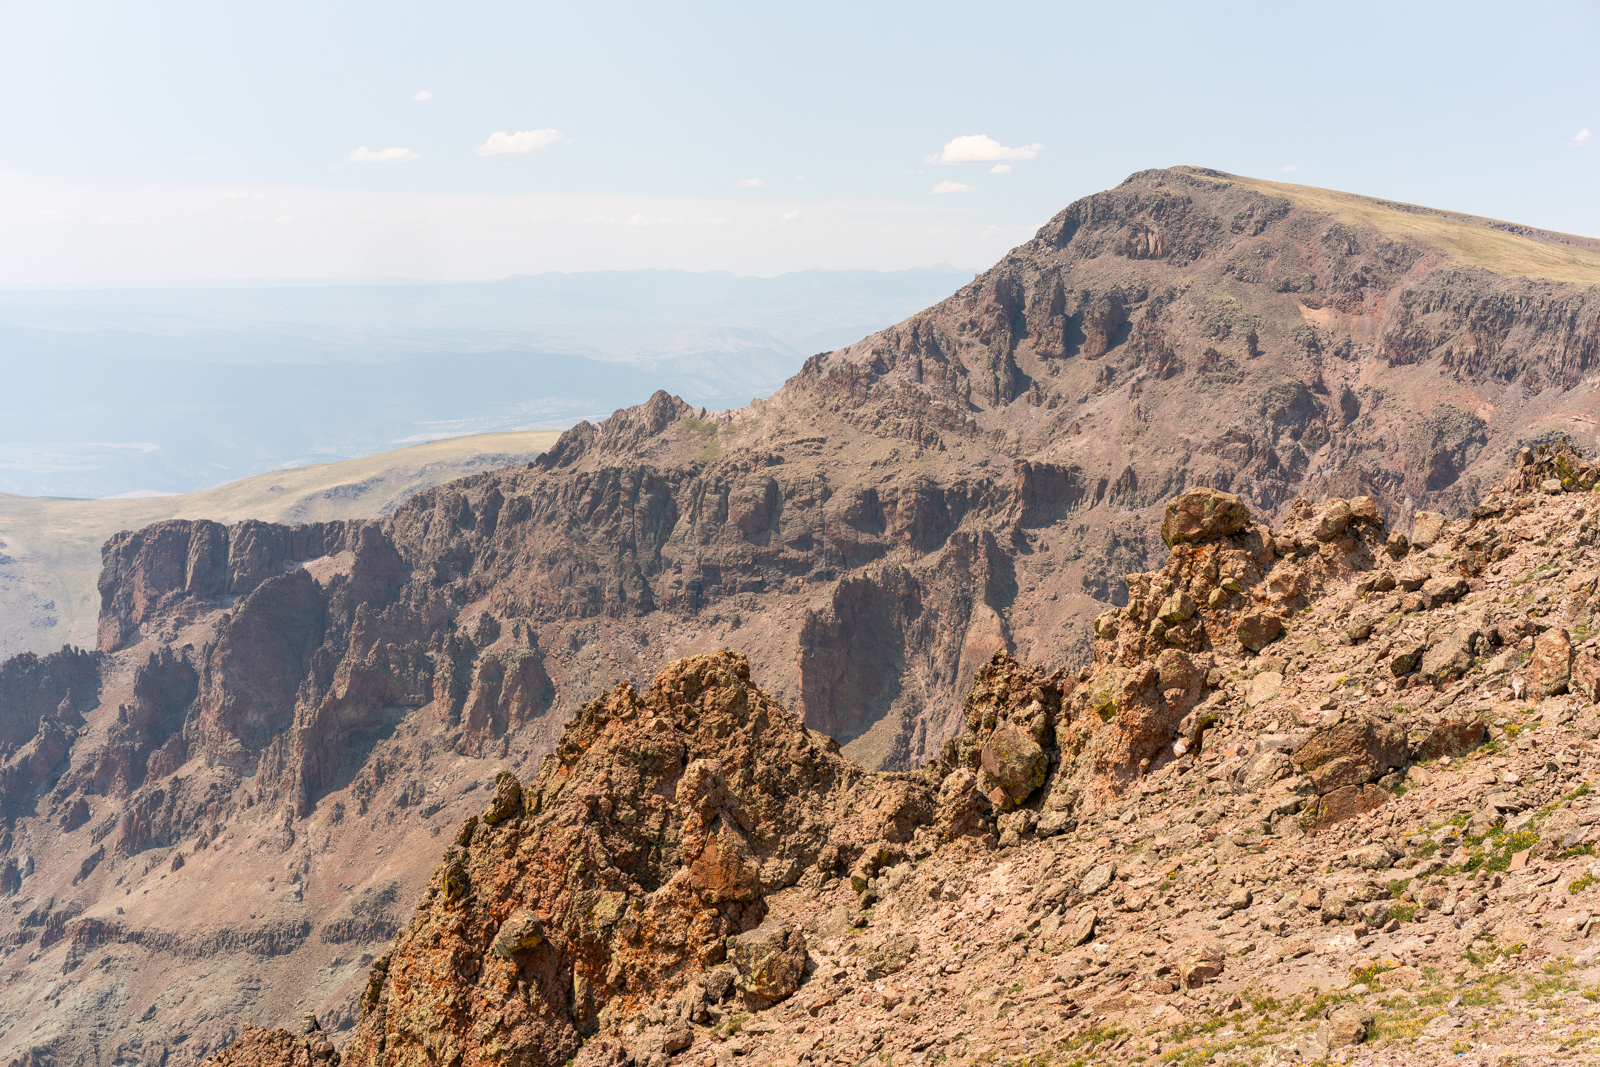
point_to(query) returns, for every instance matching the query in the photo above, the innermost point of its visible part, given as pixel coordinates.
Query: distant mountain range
(173, 389)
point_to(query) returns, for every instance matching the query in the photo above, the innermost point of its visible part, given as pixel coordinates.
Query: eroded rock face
(644, 936)
(279, 1048)
(1009, 738)
(646, 843)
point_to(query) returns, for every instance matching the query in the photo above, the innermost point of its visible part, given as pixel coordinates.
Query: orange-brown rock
(1351, 751)
(1203, 513)
(619, 876)
(257, 1047)
(1550, 667)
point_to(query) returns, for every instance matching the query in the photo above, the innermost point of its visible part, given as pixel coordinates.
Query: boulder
(1083, 927)
(1351, 752)
(1407, 657)
(1426, 526)
(1179, 607)
(1373, 857)
(1432, 897)
(1176, 670)
(1201, 514)
(1332, 520)
(1263, 687)
(1014, 762)
(1445, 589)
(1411, 578)
(507, 801)
(1343, 1025)
(1454, 734)
(770, 960)
(1097, 879)
(1346, 803)
(1585, 679)
(1549, 669)
(1266, 768)
(1449, 658)
(1364, 509)
(1201, 965)
(1258, 628)
(522, 931)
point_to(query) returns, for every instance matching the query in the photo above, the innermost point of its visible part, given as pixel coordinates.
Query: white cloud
(423, 95)
(951, 187)
(501, 143)
(789, 216)
(799, 177)
(750, 183)
(388, 155)
(1000, 168)
(981, 148)
(199, 159)
(1290, 168)
(1581, 138)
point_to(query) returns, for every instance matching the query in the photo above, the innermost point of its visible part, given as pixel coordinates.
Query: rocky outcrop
(280, 1048)
(42, 704)
(630, 868)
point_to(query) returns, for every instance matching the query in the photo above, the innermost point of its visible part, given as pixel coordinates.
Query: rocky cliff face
(254, 768)
(1212, 844)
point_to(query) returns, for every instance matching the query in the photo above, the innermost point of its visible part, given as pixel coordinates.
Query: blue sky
(214, 141)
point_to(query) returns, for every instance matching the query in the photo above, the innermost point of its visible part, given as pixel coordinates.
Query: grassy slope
(54, 545)
(1502, 247)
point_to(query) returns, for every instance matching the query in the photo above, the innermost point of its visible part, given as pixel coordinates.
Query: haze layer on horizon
(112, 391)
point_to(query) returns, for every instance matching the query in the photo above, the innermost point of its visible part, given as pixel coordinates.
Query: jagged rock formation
(1325, 876)
(648, 842)
(287, 718)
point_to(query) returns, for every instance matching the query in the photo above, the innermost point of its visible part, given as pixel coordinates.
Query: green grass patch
(1369, 975)
(1498, 850)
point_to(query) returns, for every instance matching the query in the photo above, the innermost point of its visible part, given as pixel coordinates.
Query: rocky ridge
(240, 786)
(1352, 823)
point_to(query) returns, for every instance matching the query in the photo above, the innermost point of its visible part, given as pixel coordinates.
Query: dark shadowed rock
(1453, 734)
(1258, 629)
(1351, 752)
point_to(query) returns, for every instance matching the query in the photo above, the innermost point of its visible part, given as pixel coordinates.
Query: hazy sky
(159, 140)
